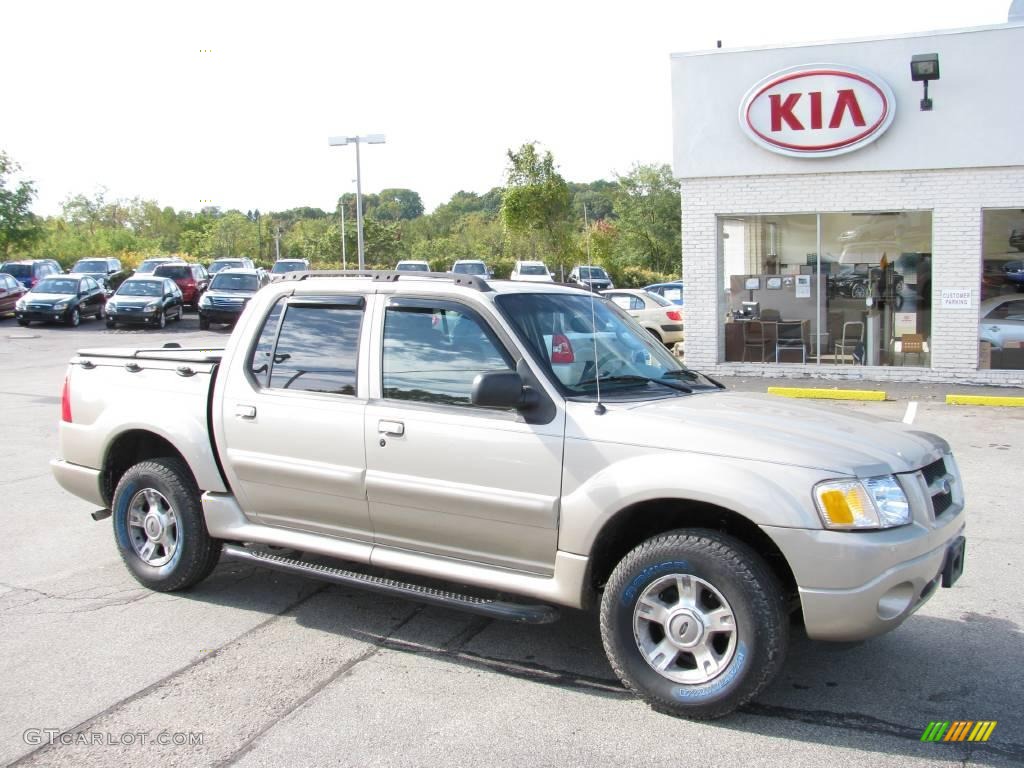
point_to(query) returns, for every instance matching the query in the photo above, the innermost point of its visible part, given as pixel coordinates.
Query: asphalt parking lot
(255, 668)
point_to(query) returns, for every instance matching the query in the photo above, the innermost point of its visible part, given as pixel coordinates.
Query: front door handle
(994, 328)
(391, 428)
(245, 411)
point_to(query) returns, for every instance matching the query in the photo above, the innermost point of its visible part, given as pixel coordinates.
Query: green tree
(18, 225)
(648, 206)
(537, 199)
(398, 205)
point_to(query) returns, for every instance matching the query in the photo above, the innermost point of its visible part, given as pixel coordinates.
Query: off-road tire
(196, 553)
(750, 589)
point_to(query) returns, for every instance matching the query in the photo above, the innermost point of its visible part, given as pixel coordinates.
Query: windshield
(627, 360)
(288, 266)
(90, 265)
(533, 269)
(57, 285)
(149, 265)
(593, 273)
(217, 266)
(18, 270)
(229, 282)
(141, 288)
(470, 268)
(414, 266)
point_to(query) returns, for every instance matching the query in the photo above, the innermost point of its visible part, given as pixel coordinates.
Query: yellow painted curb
(1008, 402)
(828, 394)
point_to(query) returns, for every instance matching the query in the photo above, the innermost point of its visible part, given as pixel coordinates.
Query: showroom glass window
(1001, 313)
(865, 300)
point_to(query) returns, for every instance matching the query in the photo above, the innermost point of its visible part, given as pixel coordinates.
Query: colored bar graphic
(959, 730)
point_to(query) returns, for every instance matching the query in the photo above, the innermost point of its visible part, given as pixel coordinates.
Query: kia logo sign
(817, 110)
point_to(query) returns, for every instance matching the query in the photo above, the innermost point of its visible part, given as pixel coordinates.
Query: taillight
(65, 400)
(674, 314)
(561, 349)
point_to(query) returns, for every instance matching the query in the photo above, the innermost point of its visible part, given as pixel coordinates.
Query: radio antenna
(599, 409)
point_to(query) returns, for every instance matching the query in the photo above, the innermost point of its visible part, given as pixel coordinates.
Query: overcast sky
(125, 95)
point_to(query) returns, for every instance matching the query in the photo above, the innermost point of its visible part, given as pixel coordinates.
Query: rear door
(445, 477)
(292, 422)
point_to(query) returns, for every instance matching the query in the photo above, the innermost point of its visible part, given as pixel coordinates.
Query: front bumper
(220, 315)
(42, 315)
(893, 573)
(136, 317)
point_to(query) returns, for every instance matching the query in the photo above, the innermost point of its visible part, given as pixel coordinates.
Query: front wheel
(204, 323)
(161, 320)
(159, 526)
(74, 318)
(22, 322)
(695, 622)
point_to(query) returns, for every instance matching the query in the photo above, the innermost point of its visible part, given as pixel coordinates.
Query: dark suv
(229, 292)
(192, 279)
(30, 271)
(106, 271)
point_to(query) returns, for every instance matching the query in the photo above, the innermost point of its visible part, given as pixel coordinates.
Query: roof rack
(390, 276)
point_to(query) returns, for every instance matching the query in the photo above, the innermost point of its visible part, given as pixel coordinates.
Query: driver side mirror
(501, 389)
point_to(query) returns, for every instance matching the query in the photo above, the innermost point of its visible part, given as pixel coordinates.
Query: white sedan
(531, 272)
(662, 318)
(1002, 320)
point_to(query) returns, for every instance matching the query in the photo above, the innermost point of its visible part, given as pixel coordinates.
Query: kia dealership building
(855, 209)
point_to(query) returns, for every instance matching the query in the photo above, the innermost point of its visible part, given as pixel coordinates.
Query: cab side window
(434, 350)
(314, 347)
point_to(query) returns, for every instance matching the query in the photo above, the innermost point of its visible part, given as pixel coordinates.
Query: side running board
(495, 609)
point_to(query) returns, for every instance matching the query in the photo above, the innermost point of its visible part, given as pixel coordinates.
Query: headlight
(20, 305)
(204, 301)
(152, 306)
(876, 502)
(61, 304)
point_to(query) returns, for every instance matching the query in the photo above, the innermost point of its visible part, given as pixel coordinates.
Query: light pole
(341, 141)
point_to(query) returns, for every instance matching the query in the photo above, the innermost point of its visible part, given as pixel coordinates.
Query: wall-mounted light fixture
(924, 67)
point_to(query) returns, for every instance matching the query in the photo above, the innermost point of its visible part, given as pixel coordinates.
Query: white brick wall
(956, 198)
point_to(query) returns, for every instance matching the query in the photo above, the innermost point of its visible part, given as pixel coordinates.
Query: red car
(10, 291)
(192, 279)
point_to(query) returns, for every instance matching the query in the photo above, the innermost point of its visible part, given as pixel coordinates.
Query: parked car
(284, 266)
(62, 299)
(672, 291)
(10, 291)
(472, 267)
(145, 300)
(1002, 320)
(147, 267)
(240, 263)
(411, 265)
(28, 272)
(588, 276)
(1014, 273)
(192, 279)
(228, 295)
(531, 272)
(589, 468)
(854, 281)
(106, 271)
(659, 316)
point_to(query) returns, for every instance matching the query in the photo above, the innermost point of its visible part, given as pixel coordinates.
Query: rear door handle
(391, 428)
(245, 411)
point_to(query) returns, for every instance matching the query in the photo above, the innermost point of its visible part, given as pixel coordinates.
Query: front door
(293, 424)
(443, 476)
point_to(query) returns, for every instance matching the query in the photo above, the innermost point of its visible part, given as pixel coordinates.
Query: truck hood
(766, 428)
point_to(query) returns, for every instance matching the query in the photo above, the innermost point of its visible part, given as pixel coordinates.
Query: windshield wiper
(633, 379)
(693, 376)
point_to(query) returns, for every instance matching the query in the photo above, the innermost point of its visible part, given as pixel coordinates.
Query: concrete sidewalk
(902, 390)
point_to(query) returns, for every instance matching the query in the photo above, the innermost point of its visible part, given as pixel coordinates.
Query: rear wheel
(159, 526)
(694, 622)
